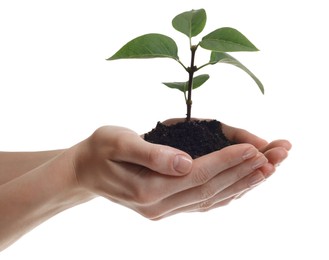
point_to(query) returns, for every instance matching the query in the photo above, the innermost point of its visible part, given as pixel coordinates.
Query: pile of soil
(197, 138)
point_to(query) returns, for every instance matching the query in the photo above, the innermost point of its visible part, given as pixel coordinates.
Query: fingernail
(251, 152)
(256, 179)
(182, 164)
(261, 160)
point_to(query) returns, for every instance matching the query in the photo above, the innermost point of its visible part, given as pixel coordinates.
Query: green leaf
(148, 46)
(190, 23)
(199, 80)
(182, 86)
(217, 57)
(226, 40)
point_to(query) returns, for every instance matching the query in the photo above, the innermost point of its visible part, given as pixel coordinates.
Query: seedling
(191, 23)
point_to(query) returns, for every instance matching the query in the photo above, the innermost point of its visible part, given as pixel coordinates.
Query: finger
(239, 135)
(173, 121)
(209, 166)
(232, 175)
(276, 155)
(258, 180)
(268, 169)
(191, 209)
(223, 198)
(159, 158)
(277, 143)
(218, 204)
(236, 135)
(224, 185)
(204, 169)
(239, 196)
(123, 145)
(237, 189)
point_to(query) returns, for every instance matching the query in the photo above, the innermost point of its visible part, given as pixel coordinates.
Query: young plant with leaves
(191, 23)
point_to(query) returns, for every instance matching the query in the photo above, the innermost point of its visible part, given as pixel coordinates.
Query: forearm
(15, 164)
(36, 196)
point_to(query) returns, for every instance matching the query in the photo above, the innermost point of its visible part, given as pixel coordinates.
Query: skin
(116, 163)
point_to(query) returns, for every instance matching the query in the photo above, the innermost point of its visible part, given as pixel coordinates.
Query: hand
(275, 151)
(157, 181)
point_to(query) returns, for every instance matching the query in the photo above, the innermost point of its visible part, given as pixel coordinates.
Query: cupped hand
(275, 151)
(157, 181)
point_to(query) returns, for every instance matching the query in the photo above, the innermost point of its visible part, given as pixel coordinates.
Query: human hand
(275, 151)
(118, 164)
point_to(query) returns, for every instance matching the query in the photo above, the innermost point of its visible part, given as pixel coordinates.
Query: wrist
(37, 196)
(72, 192)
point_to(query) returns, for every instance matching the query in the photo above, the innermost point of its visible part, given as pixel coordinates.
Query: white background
(56, 88)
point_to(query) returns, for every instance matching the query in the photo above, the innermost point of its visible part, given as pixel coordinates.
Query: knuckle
(143, 198)
(239, 187)
(240, 173)
(102, 142)
(111, 140)
(224, 202)
(207, 192)
(201, 176)
(205, 206)
(207, 197)
(122, 145)
(96, 139)
(146, 194)
(154, 156)
(119, 142)
(151, 213)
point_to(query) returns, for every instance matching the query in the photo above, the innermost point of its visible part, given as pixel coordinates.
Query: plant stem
(190, 71)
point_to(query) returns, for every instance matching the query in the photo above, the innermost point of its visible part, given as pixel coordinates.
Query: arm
(15, 164)
(37, 195)
(40, 185)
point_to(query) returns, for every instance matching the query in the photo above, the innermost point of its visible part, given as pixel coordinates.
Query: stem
(190, 71)
(181, 64)
(204, 65)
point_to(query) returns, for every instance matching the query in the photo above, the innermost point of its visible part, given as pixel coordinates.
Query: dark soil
(197, 138)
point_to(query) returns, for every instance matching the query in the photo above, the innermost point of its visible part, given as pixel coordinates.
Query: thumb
(168, 160)
(160, 158)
